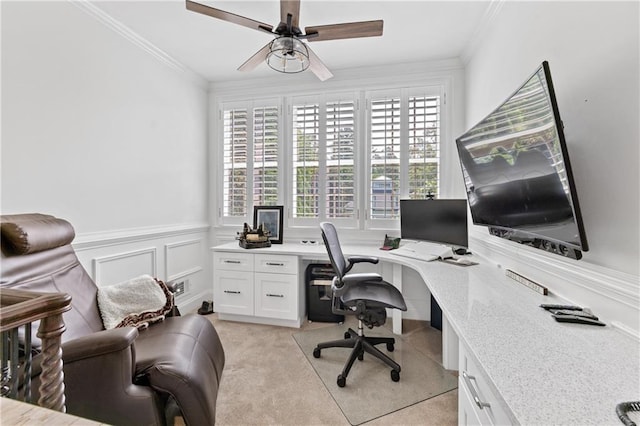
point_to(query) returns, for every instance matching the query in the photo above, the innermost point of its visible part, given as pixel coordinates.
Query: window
(265, 156)
(250, 158)
(235, 163)
(306, 161)
(323, 160)
(322, 167)
(385, 157)
(340, 174)
(424, 147)
(404, 150)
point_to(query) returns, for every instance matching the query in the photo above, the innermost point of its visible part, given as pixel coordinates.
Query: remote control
(567, 307)
(576, 313)
(578, 320)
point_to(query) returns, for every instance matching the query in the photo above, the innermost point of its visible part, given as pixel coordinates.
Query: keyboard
(424, 251)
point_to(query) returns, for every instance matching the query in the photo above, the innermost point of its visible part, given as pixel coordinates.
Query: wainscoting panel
(169, 253)
(123, 266)
(183, 258)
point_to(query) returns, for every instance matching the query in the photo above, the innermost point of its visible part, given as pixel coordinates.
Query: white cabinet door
(467, 411)
(233, 292)
(276, 296)
(477, 400)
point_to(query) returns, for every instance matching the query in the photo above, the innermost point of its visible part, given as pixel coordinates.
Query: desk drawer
(233, 261)
(276, 295)
(276, 263)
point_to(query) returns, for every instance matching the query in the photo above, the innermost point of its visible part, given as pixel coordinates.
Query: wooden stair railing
(20, 308)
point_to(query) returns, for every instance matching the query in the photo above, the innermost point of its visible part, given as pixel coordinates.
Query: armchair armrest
(98, 344)
(100, 371)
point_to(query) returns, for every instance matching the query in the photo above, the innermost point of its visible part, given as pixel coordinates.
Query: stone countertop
(546, 372)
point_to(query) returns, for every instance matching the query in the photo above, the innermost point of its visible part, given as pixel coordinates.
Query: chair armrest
(100, 379)
(360, 259)
(98, 344)
(358, 278)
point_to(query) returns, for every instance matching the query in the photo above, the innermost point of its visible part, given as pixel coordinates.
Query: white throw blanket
(137, 302)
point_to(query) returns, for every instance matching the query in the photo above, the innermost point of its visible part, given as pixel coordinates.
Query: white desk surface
(547, 372)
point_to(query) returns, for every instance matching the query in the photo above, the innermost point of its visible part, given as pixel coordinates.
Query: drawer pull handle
(275, 295)
(232, 291)
(474, 393)
(274, 264)
(236, 262)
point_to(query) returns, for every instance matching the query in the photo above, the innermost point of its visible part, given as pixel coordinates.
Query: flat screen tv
(517, 173)
(438, 221)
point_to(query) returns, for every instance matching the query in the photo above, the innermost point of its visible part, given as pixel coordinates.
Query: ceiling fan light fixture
(288, 55)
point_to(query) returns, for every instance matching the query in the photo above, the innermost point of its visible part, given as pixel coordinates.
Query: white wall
(100, 132)
(593, 51)
(94, 129)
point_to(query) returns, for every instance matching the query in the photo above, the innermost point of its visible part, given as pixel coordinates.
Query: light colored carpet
(267, 380)
(370, 392)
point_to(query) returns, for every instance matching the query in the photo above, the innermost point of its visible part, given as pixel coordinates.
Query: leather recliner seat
(122, 375)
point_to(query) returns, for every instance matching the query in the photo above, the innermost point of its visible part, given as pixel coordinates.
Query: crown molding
(139, 41)
(490, 14)
(344, 79)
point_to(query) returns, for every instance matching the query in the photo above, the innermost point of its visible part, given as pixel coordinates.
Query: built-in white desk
(532, 369)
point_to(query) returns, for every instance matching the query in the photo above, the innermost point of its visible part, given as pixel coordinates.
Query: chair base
(361, 344)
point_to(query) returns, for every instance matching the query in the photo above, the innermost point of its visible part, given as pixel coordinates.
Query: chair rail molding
(89, 241)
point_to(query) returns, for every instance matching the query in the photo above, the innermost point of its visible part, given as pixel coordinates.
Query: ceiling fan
(287, 52)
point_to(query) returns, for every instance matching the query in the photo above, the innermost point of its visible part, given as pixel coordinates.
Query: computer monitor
(439, 221)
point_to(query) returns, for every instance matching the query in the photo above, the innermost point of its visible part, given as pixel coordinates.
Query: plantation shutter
(340, 176)
(235, 141)
(385, 137)
(424, 146)
(306, 143)
(265, 156)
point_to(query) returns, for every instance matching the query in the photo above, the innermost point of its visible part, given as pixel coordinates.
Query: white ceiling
(414, 31)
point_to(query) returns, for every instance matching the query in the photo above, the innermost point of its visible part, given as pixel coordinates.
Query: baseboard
(191, 303)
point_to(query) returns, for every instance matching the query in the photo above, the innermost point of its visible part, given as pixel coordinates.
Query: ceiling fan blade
(291, 7)
(256, 59)
(227, 16)
(318, 67)
(348, 30)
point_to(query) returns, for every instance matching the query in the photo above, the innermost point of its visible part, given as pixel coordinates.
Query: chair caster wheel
(347, 335)
(361, 356)
(390, 347)
(341, 381)
(395, 375)
(316, 353)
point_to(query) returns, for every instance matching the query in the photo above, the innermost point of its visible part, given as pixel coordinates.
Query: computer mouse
(464, 261)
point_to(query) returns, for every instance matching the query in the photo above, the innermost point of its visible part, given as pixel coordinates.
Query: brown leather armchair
(122, 375)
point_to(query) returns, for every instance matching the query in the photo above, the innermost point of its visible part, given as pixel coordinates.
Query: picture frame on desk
(272, 217)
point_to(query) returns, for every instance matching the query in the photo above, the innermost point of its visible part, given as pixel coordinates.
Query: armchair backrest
(332, 243)
(37, 256)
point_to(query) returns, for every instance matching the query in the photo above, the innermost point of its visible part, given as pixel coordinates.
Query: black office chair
(365, 295)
